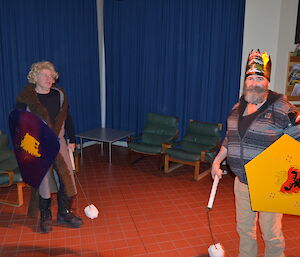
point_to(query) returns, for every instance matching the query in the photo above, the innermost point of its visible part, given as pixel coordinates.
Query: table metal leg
(101, 147)
(109, 152)
(81, 148)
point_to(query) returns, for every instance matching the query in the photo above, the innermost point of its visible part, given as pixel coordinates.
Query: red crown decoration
(258, 64)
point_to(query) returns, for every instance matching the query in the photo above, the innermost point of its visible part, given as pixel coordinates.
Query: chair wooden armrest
(166, 146)
(10, 177)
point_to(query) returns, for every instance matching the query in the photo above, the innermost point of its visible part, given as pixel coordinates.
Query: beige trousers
(270, 225)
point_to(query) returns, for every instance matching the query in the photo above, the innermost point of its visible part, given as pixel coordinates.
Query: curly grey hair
(37, 67)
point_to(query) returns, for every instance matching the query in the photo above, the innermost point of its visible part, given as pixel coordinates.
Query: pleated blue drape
(175, 57)
(63, 32)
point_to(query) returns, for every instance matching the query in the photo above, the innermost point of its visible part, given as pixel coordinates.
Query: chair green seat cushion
(6, 154)
(194, 147)
(17, 176)
(9, 164)
(183, 155)
(4, 179)
(158, 129)
(3, 141)
(145, 148)
(155, 139)
(180, 154)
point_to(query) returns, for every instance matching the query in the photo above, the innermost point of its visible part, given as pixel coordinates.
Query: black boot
(46, 216)
(64, 214)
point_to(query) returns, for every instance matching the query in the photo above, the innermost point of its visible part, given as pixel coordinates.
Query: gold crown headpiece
(258, 64)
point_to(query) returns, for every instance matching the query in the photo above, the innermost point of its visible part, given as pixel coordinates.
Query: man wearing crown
(259, 118)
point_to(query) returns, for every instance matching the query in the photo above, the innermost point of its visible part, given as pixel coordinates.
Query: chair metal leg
(131, 156)
(137, 159)
(109, 151)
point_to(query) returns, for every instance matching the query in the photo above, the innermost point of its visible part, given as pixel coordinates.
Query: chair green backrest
(159, 129)
(201, 136)
(9, 170)
(7, 157)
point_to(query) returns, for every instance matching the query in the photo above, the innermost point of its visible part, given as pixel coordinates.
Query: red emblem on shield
(292, 184)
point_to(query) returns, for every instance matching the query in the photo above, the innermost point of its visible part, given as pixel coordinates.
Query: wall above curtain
(63, 32)
(175, 57)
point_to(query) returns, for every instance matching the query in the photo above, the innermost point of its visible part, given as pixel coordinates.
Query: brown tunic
(62, 162)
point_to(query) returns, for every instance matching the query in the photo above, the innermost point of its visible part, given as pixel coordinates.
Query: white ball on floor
(216, 250)
(91, 211)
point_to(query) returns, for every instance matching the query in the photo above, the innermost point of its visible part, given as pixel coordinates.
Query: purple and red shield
(35, 145)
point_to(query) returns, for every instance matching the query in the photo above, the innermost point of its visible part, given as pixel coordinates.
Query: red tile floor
(143, 213)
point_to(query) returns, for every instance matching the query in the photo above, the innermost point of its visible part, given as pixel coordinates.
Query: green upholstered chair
(9, 171)
(159, 129)
(200, 144)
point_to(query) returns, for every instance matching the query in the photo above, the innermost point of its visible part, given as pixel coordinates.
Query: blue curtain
(175, 57)
(63, 32)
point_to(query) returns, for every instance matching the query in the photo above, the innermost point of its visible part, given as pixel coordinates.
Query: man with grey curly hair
(49, 102)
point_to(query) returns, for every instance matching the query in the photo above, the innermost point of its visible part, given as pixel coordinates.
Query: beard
(255, 94)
